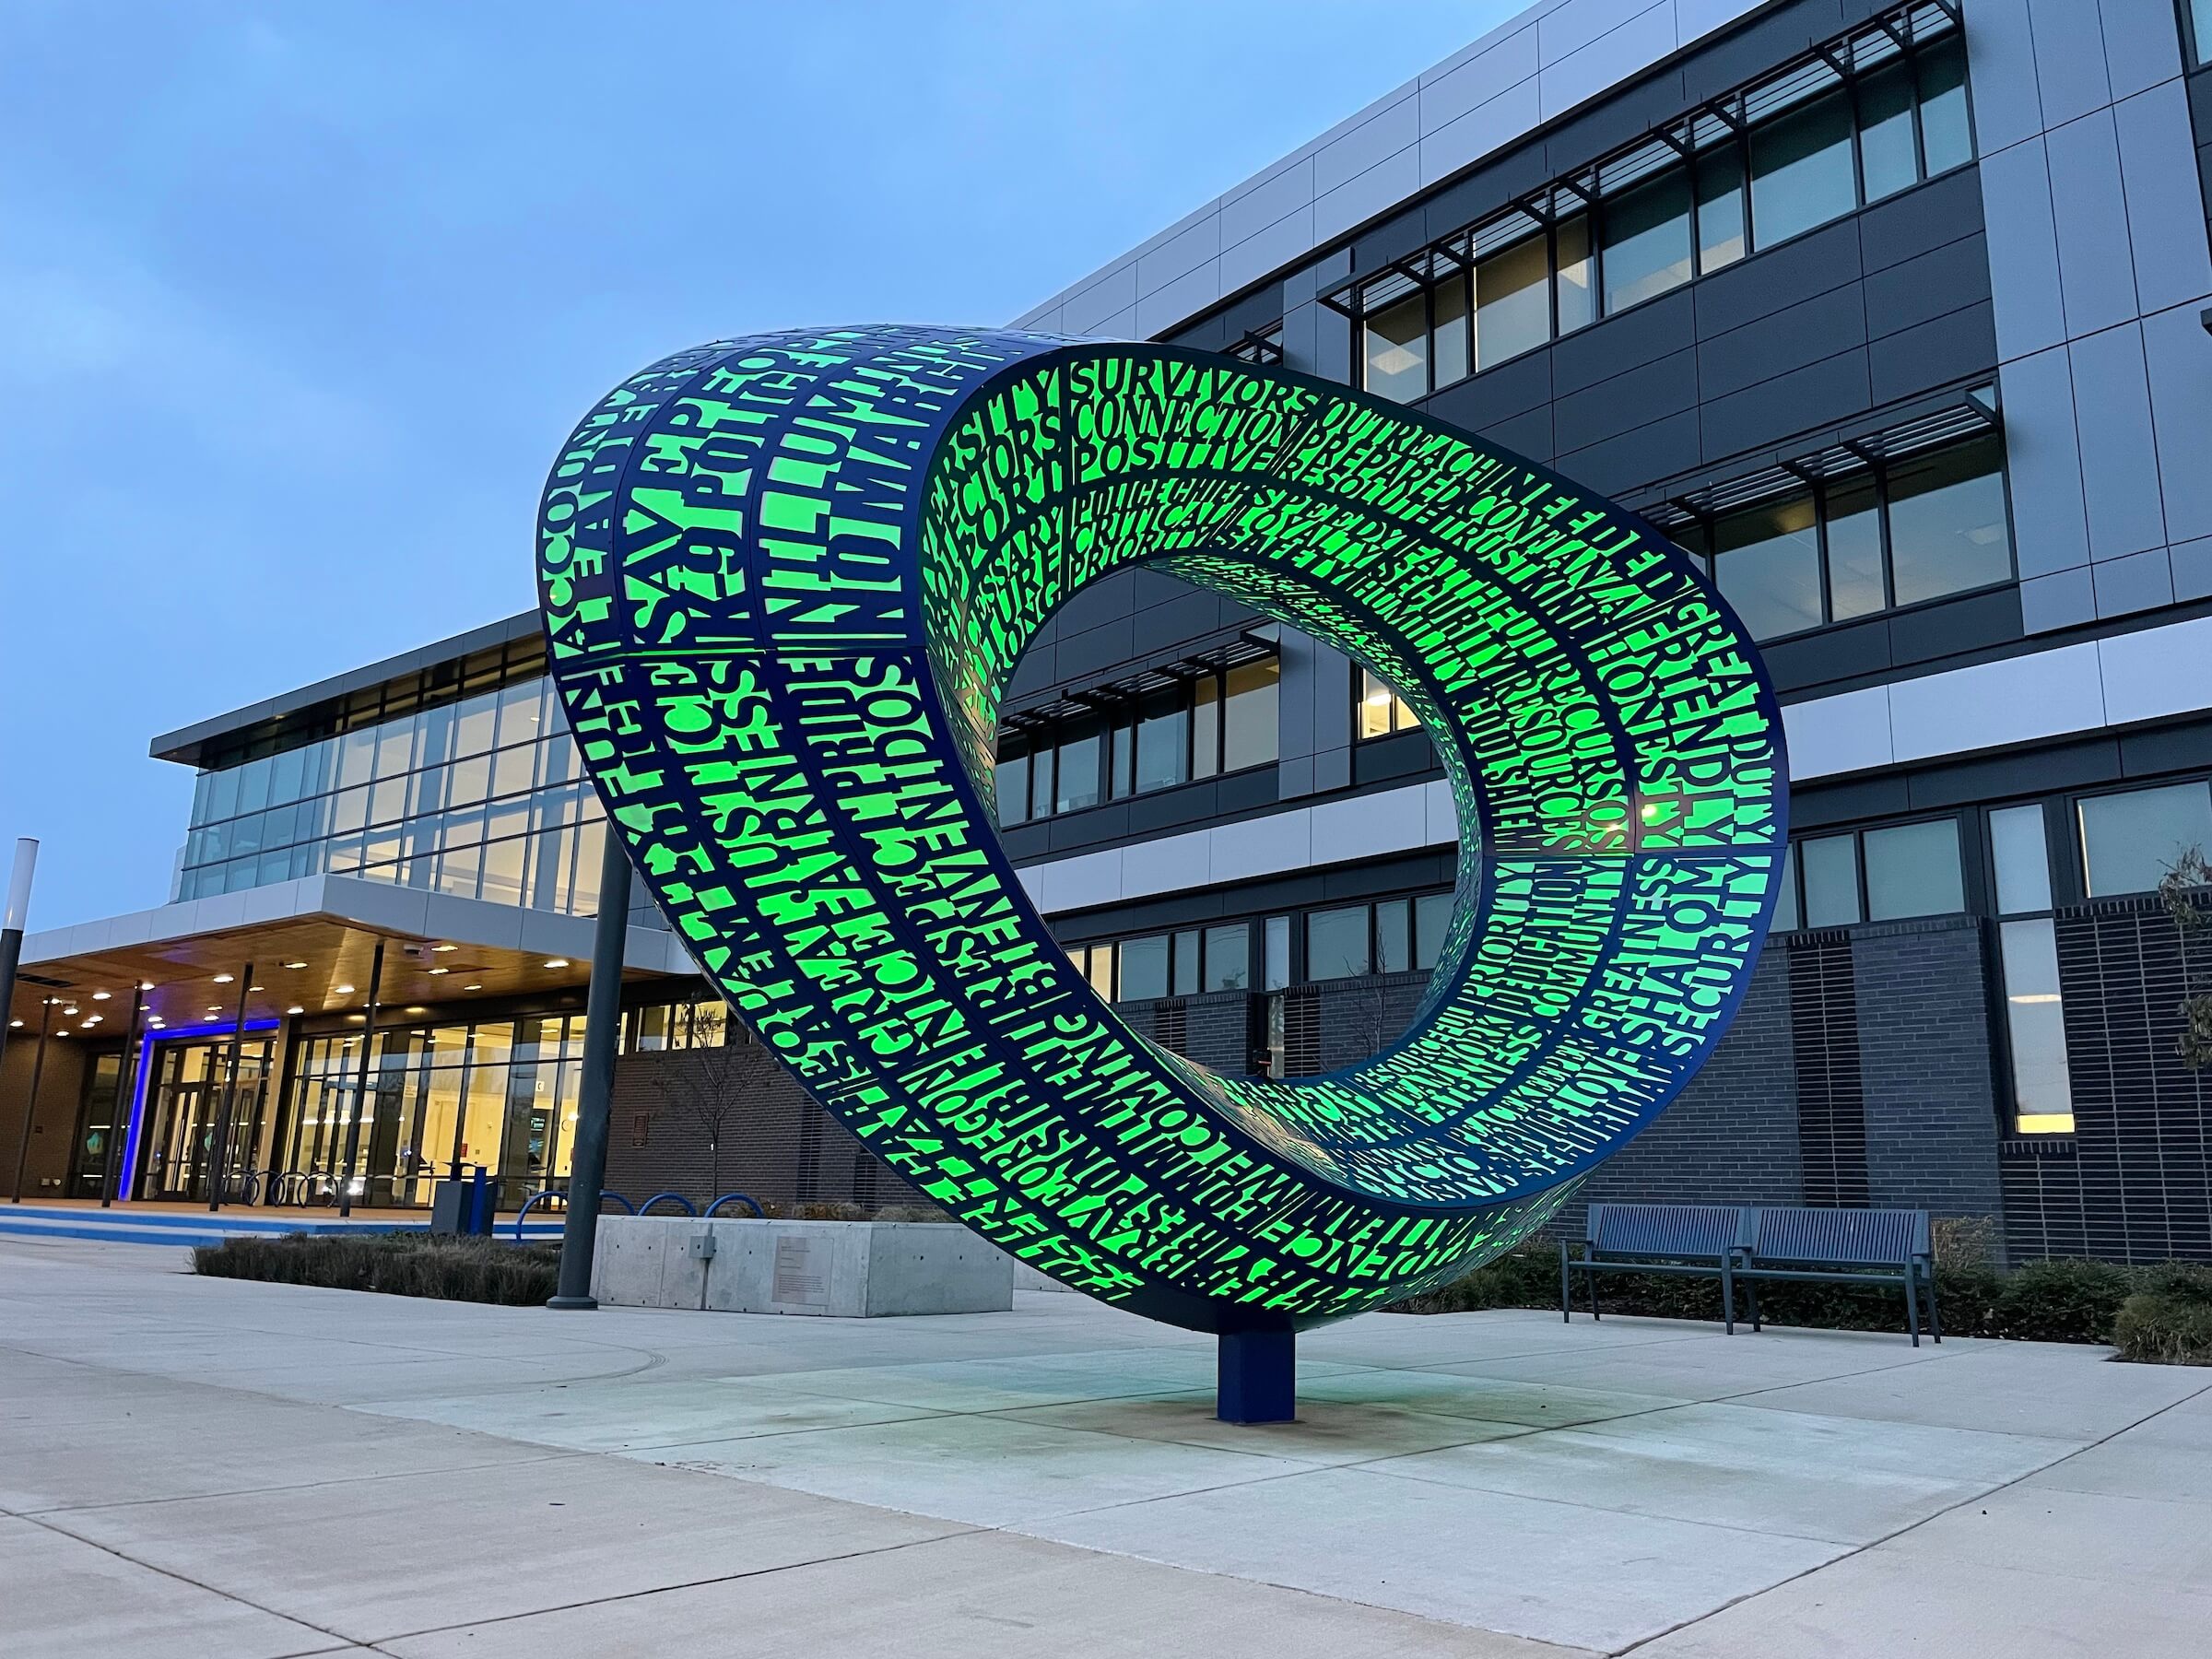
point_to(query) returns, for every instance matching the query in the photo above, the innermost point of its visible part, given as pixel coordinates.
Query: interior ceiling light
(472, 987)
(558, 962)
(416, 1008)
(344, 990)
(445, 948)
(224, 978)
(100, 996)
(436, 971)
(295, 1008)
(291, 964)
(70, 1009)
(15, 1025)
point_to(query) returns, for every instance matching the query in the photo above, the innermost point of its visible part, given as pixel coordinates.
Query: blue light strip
(146, 1067)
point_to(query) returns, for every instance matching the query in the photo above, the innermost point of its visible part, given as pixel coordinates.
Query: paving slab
(981, 1470)
(1327, 1433)
(1471, 1395)
(1549, 1572)
(982, 1595)
(643, 1413)
(60, 1599)
(372, 1558)
(1836, 1478)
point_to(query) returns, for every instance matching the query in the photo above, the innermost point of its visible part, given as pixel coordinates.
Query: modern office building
(1897, 317)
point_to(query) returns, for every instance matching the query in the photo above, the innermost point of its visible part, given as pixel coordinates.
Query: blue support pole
(1256, 1379)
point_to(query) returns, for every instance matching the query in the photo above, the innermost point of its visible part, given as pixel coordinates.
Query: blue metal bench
(1688, 1239)
(1855, 1246)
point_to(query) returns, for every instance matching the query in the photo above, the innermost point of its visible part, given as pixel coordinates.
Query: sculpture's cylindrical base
(1257, 1379)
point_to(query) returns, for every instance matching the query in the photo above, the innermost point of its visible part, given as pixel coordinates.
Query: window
(1276, 940)
(2043, 1092)
(1394, 937)
(1801, 169)
(1883, 874)
(1214, 722)
(1912, 870)
(1249, 715)
(1397, 349)
(1872, 115)
(1903, 533)
(1382, 709)
(1337, 943)
(2199, 14)
(1831, 884)
(1512, 303)
(1646, 241)
(2129, 841)
(1947, 522)
(1432, 922)
(1144, 967)
(1768, 563)
(1228, 960)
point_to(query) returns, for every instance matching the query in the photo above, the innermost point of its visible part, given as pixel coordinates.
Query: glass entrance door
(186, 1112)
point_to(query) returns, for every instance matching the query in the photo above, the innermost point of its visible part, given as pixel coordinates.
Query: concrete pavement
(207, 1466)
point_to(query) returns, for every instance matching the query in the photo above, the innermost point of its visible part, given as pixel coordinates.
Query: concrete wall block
(2000, 60)
(1387, 130)
(1583, 71)
(2165, 199)
(1490, 125)
(1378, 189)
(2096, 261)
(2178, 353)
(2059, 600)
(2069, 58)
(2119, 458)
(2142, 46)
(2042, 459)
(1505, 62)
(2023, 248)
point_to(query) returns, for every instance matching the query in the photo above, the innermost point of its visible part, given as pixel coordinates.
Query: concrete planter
(844, 1269)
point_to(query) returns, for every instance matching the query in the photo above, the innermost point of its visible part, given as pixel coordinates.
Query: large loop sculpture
(785, 580)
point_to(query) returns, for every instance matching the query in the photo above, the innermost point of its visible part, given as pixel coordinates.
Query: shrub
(477, 1270)
(2061, 1301)
(2167, 1320)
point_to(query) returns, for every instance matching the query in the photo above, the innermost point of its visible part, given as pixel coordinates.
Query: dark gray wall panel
(1798, 402)
(1789, 339)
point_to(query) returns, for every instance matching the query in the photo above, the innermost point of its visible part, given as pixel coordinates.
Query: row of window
(487, 746)
(1202, 726)
(1813, 144)
(541, 850)
(1897, 534)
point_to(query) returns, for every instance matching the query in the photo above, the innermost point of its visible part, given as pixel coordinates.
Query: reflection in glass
(1513, 304)
(1947, 137)
(1888, 162)
(1854, 553)
(1801, 169)
(1078, 773)
(1397, 349)
(1720, 237)
(1163, 742)
(1768, 560)
(1394, 937)
(1647, 241)
(2018, 852)
(1249, 720)
(1432, 921)
(1831, 884)
(1011, 784)
(1912, 870)
(1337, 943)
(2129, 841)
(1449, 330)
(1228, 958)
(1577, 291)
(2043, 1092)
(1144, 967)
(1947, 522)
(1785, 901)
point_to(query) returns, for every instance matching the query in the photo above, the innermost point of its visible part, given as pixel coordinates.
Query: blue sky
(297, 299)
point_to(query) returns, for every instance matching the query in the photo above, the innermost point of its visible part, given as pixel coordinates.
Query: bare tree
(701, 1083)
(2180, 890)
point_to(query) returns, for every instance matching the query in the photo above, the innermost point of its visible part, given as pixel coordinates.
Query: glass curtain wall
(500, 1094)
(482, 798)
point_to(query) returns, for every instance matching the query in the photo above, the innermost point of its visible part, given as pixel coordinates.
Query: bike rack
(605, 1197)
(744, 1199)
(689, 1209)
